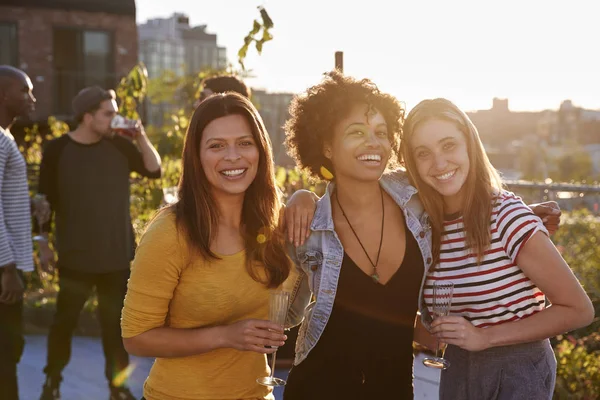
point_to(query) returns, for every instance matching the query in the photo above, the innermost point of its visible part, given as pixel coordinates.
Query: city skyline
(536, 54)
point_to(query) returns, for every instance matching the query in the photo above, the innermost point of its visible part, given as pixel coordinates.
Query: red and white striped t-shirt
(497, 290)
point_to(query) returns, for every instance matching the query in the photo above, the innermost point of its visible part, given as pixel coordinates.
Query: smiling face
(229, 155)
(441, 156)
(360, 148)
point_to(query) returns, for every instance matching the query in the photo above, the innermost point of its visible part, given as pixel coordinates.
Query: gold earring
(325, 173)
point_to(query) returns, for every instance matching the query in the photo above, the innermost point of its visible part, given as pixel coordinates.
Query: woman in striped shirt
(500, 259)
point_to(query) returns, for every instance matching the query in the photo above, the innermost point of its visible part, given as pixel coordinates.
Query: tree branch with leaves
(259, 34)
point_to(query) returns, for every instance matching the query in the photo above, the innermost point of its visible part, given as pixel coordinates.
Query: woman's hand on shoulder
(549, 212)
(299, 212)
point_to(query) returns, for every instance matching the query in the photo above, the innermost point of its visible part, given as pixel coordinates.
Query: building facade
(273, 108)
(171, 44)
(66, 45)
(531, 144)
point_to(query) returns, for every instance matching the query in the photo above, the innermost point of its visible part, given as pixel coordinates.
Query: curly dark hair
(314, 114)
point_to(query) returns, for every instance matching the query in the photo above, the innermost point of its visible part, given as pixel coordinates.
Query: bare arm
(296, 283)
(149, 154)
(549, 212)
(571, 307)
(299, 213)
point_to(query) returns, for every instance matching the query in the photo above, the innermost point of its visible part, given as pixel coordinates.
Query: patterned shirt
(497, 290)
(15, 210)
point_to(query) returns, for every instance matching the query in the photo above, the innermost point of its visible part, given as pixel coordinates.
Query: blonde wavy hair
(482, 184)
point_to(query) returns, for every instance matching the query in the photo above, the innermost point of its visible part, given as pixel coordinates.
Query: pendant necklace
(374, 275)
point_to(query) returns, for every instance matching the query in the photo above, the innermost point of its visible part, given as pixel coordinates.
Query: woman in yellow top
(198, 295)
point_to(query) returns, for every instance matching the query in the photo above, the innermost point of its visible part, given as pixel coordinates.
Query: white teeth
(370, 157)
(446, 176)
(233, 172)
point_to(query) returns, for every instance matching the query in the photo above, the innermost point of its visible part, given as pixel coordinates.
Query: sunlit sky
(535, 53)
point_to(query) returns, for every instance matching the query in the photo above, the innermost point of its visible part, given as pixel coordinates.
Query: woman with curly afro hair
(366, 253)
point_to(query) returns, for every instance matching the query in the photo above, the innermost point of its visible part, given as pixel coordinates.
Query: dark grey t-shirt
(87, 186)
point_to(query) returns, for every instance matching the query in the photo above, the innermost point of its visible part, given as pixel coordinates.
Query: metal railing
(569, 196)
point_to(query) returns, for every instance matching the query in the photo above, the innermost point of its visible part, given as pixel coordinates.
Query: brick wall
(35, 47)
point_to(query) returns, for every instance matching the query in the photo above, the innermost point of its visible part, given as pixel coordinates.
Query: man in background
(85, 176)
(16, 251)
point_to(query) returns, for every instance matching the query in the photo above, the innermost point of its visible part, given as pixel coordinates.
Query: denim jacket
(319, 262)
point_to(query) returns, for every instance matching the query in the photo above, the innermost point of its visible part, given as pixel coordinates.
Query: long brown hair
(196, 210)
(482, 183)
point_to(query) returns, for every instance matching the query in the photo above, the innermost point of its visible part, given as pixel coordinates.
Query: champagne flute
(278, 307)
(442, 300)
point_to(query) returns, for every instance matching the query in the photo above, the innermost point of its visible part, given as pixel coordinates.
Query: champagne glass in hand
(442, 300)
(278, 307)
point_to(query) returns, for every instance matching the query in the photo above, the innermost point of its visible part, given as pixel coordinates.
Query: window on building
(183, 20)
(8, 44)
(82, 58)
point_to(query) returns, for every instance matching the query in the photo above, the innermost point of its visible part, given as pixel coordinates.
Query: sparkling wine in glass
(442, 300)
(278, 307)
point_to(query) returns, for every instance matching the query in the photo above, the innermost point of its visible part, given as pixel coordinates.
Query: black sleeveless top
(365, 351)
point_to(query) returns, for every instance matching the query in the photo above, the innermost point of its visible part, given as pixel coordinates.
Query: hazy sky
(535, 53)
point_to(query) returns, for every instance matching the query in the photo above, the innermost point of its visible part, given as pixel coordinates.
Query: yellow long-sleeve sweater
(166, 290)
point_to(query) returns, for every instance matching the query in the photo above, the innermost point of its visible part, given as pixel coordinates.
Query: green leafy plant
(132, 90)
(578, 241)
(578, 354)
(259, 34)
(578, 369)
